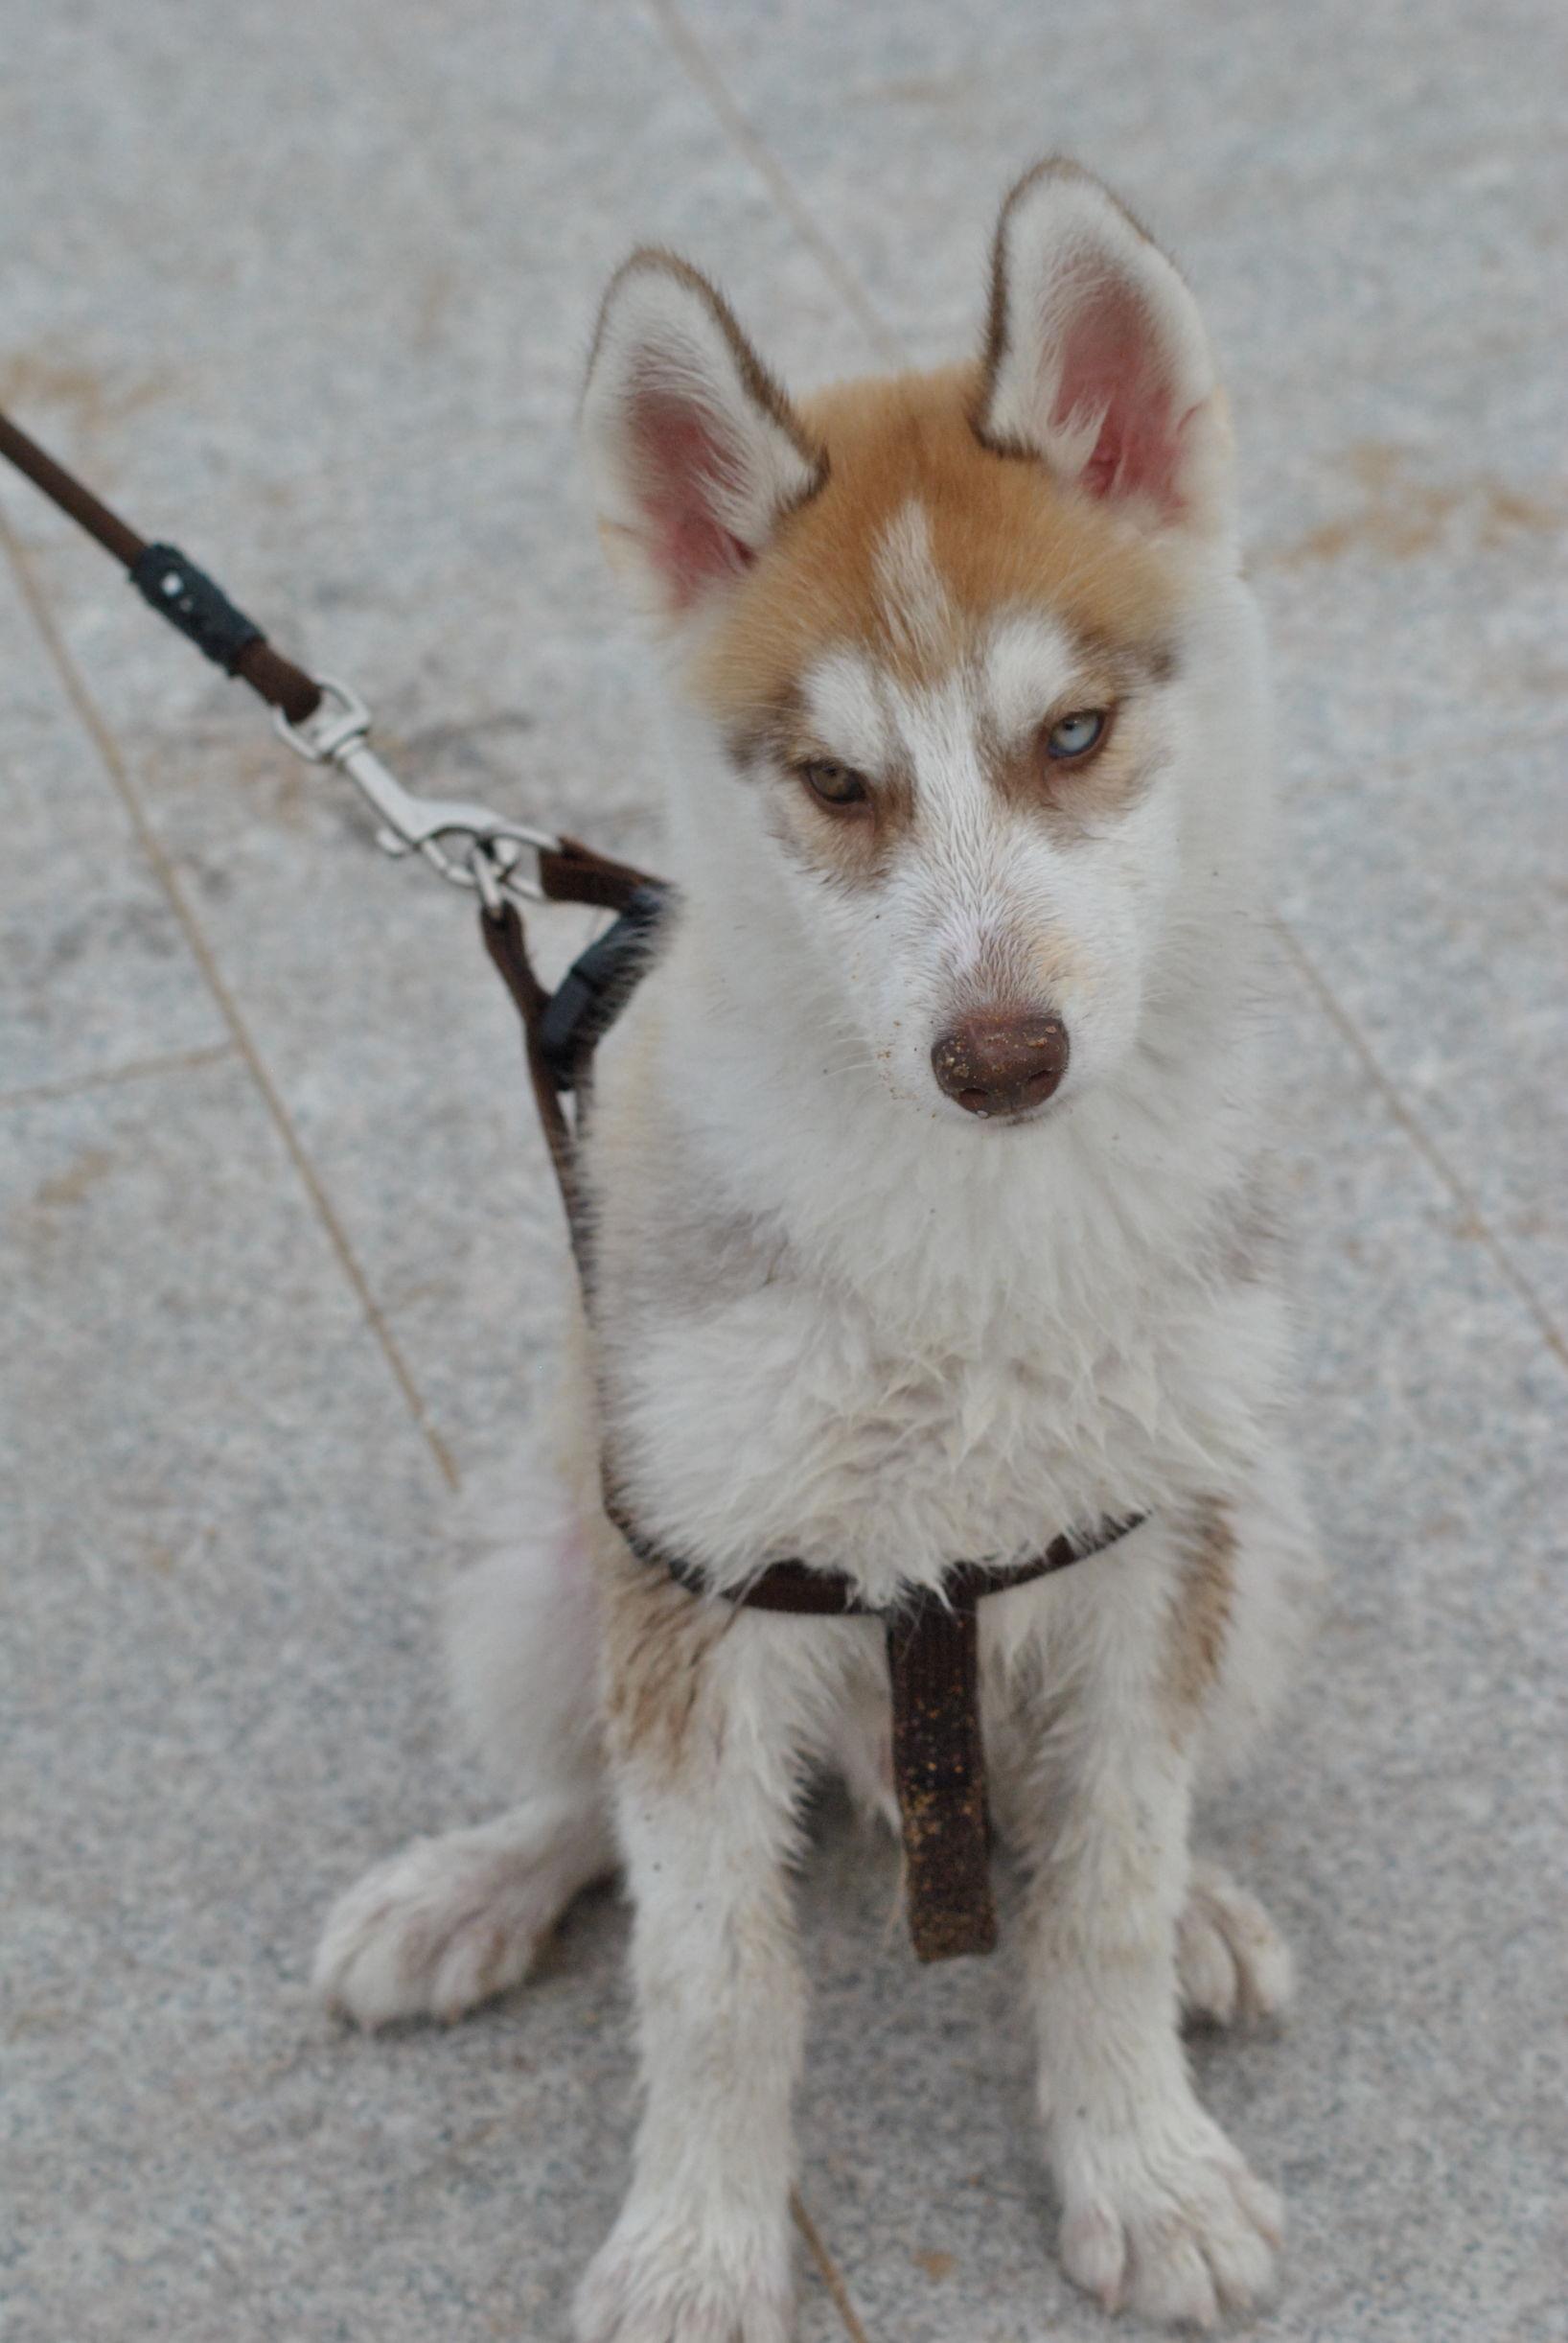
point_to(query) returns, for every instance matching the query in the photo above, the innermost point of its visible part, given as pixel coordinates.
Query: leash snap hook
(338, 733)
(340, 721)
(491, 863)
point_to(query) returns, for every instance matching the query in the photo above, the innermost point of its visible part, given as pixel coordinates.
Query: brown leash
(933, 1633)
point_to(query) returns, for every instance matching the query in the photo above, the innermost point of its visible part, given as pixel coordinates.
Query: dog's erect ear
(1096, 358)
(694, 451)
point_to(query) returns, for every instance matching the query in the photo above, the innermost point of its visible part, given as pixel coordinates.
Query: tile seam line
(703, 71)
(162, 866)
(1422, 1140)
(107, 1078)
(827, 2270)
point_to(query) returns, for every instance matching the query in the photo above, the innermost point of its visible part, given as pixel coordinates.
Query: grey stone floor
(308, 288)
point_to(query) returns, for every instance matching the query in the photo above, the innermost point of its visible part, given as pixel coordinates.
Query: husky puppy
(930, 1223)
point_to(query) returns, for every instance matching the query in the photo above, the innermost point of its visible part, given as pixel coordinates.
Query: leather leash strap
(934, 1632)
(173, 586)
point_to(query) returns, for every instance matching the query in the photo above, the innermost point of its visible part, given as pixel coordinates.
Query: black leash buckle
(195, 603)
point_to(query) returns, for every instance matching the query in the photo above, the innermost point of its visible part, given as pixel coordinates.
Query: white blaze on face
(911, 596)
(982, 902)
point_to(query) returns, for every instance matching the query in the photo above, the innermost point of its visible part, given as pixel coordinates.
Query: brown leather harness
(932, 1633)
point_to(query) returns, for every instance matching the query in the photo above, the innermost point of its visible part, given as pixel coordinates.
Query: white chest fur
(886, 1345)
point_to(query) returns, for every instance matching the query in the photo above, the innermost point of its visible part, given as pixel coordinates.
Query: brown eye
(1076, 734)
(834, 784)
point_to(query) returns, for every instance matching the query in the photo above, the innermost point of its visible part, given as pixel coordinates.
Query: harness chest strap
(933, 1633)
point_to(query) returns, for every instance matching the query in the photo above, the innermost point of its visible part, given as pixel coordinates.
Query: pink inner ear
(683, 458)
(1110, 362)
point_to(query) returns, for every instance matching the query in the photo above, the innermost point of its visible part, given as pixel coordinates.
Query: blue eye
(1076, 734)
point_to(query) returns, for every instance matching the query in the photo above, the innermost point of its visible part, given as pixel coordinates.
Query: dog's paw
(660, 2279)
(1175, 2228)
(1232, 1960)
(434, 1931)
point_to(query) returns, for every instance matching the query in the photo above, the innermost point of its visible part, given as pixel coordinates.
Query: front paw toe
(1181, 2242)
(1232, 1960)
(431, 1932)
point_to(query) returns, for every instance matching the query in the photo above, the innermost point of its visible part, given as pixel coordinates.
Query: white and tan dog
(930, 1223)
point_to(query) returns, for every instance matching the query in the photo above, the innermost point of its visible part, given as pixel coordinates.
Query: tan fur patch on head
(1200, 1618)
(855, 565)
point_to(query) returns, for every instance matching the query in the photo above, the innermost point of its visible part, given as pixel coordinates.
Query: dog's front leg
(1160, 2214)
(707, 1773)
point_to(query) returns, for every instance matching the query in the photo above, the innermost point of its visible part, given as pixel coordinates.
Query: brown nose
(1000, 1060)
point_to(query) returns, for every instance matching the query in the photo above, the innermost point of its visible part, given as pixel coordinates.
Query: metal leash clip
(338, 734)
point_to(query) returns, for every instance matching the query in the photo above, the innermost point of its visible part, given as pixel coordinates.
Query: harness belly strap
(940, 1774)
(932, 1633)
